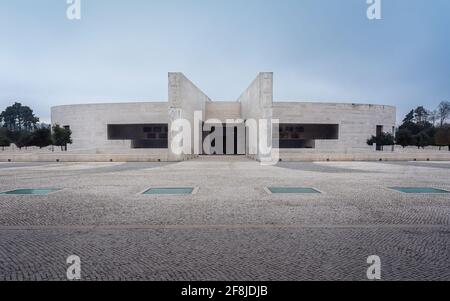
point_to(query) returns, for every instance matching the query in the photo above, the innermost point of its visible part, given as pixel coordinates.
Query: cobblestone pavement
(232, 229)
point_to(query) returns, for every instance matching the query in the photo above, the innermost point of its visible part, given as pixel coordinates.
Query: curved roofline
(219, 102)
(330, 103)
(113, 103)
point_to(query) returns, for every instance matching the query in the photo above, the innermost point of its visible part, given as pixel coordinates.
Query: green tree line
(19, 126)
(420, 128)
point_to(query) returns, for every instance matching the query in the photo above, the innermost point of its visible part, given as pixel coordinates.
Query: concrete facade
(89, 122)
(355, 122)
(257, 103)
(184, 100)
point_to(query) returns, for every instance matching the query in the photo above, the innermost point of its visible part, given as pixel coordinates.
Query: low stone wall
(366, 156)
(85, 156)
(28, 150)
(161, 155)
(415, 149)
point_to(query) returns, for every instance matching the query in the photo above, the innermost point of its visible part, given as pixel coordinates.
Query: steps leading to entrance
(224, 158)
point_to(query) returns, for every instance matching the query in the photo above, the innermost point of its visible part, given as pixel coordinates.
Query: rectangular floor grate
(30, 191)
(292, 190)
(175, 190)
(419, 190)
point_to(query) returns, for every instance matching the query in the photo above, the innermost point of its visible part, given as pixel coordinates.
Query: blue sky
(319, 50)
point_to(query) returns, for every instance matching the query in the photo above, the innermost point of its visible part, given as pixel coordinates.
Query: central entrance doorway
(224, 139)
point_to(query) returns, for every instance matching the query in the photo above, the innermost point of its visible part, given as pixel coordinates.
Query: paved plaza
(232, 228)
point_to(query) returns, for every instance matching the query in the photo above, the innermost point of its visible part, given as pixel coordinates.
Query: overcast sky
(319, 50)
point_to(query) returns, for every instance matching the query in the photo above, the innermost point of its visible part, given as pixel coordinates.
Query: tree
(417, 129)
(61, 137)
(23, 139)
(443, 137)
(409, 117)
(404, 137)
(18, 118)
(421, 140)
(387, 139)
(433, 117)
(443, 112)
(421, 114)
(41, 137)
(4, 139)
(416, 121)
(381, 140)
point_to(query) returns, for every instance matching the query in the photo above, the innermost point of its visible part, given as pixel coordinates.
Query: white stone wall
(184, 99)
(257, 100)
(357, 122)
(89, 122)
(257, 103)
(223, 110)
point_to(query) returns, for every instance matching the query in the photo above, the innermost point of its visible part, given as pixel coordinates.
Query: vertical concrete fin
(185, 99)
(257, 103)
(258, 96)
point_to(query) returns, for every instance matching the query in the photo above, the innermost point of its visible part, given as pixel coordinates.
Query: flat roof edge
(331, 103)
(113, 103)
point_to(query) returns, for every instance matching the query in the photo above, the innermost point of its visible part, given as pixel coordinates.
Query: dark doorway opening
(379, 133)
(232, 144)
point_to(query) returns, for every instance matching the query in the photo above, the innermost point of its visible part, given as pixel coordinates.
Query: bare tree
(444, 112)
(433, 117)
